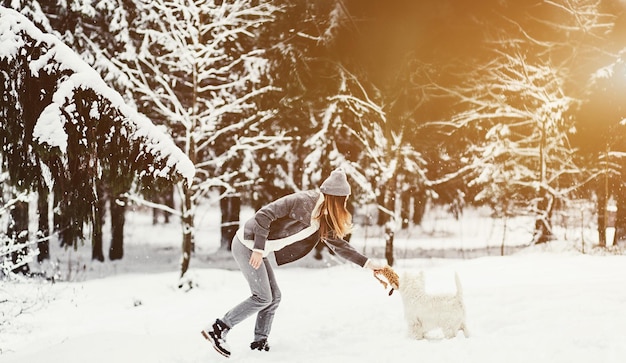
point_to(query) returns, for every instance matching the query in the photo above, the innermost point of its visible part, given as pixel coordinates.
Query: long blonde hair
(334, 218)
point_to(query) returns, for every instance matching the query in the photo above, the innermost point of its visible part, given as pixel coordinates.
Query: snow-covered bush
(8, 263)
(14, 253)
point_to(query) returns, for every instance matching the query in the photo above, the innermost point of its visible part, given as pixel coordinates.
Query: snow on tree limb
(73, 75)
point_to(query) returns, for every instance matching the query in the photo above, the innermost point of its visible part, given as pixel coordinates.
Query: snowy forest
(173, 104)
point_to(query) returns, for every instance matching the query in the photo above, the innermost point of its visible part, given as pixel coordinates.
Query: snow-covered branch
(143, 202)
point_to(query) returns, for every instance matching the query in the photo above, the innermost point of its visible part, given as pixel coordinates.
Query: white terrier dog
(431, 315)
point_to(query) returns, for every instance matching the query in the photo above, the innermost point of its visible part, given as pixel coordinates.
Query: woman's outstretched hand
(256, 260)
(375, 265)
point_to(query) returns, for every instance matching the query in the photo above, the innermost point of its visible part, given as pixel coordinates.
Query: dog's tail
(459, 295)
(459, 289)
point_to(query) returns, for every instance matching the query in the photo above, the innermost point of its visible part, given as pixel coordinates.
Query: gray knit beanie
(336, 184)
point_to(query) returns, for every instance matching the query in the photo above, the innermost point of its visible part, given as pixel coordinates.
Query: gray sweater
(287, 216)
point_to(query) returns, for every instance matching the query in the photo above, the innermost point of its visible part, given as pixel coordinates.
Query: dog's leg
(465, 331)
(416, 329)
(449, 332)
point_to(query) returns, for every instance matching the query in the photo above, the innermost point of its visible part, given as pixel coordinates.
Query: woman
(289, 227)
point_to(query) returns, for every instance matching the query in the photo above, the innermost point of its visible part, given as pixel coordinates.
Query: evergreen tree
(97, 31)
(69, 129)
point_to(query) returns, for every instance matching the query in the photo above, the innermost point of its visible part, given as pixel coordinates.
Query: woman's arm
(345, 250)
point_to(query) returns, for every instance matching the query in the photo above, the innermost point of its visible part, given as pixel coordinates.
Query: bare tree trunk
(97, 252)
(620, 220)
(231, 207)
(405, 208)
(419, 206)
(389, 236)
(543, 225)
(504, 229)
(118, 219)
(169, 201)
(602, 213)
(17, 231)
(60, 223)
(187, 224)
(43, 230)
(390, 222)
(381, 199)
(166, 198)
(620, 216)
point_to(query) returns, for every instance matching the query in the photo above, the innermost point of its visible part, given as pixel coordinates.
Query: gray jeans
(265, 293)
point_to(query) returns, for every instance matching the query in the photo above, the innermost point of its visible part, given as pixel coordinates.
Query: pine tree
(99, 31)
(64, 127)
(96, 31)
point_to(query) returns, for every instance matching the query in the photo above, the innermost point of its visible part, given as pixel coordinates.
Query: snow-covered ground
(541, 304)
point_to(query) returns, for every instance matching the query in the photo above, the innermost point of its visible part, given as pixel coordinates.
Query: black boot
(217, 337)
(260, 345)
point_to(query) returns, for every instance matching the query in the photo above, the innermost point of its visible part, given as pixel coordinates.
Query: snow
(50, 130)
(543, 304)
